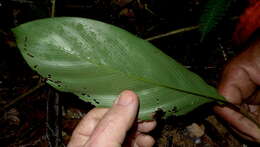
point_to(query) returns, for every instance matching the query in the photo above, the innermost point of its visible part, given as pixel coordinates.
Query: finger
(254, 98)
(146, 126)
(237, 120)
(245, 136)
(143, 140)
(236, 84)
(86, 126)
(112, 129)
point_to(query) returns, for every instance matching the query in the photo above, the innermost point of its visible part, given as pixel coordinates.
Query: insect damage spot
(173, 110)
(29, 54)
(83, 94)
(57, 82)
(158, 114)
(50, 80)
(25, 43)
(96, 101)
(35, 66)
(157, 100)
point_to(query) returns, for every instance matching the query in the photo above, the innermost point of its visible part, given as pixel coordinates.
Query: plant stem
(53, 8)
(182, 30)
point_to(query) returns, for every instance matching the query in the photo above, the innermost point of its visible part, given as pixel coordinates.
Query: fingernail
(123, 100)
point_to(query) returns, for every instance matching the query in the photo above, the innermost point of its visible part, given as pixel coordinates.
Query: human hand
(240, 86)
(114, 127)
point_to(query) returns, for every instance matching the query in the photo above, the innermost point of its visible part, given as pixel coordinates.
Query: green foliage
(96, 61)
(213, 13)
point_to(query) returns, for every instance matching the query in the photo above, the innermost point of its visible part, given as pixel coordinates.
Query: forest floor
(35, 114)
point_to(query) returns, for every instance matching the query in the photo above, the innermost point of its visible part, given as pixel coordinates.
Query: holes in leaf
(35, 66)
(50, 80)
(85, 94)
(25, 42)
(159, 113)
(30, 55)
(58, 82)
(96, 101)
(173, 110)
(157, 100)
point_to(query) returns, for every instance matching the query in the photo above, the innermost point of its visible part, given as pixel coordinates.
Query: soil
(34, 114)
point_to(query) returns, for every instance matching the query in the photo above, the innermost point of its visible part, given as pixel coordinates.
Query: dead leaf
(121, 3)
(127, 12)
(249, 22)
(195, 131)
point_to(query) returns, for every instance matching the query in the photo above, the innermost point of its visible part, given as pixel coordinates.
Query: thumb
(112, 129)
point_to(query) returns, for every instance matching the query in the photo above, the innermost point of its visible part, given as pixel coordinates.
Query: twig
(53, 2)
(40, 84)
(182, 30)
(53, 119)
(225, 56)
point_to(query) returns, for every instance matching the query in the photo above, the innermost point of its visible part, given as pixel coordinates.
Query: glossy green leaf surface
(96, 61)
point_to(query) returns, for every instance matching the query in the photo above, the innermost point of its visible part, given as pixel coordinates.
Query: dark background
(36, 115)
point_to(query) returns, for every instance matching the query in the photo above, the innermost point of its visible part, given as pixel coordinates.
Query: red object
(249, 22)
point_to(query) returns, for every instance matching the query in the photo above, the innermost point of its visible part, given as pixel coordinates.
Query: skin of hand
(240, 85)
(115, 126)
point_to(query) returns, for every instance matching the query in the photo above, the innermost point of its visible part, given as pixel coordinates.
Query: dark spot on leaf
(25, 42)
(85, 94)
(49, 76)
(58, 82)
(174, 109)
(35, 66)
(59, 85)
(96, 101)
(30, 55)
(157, 100)
(85, 90)
(159, 113)
(51, 80)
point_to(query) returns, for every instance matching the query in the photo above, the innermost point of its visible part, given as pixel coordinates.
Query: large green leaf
(96, 61)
